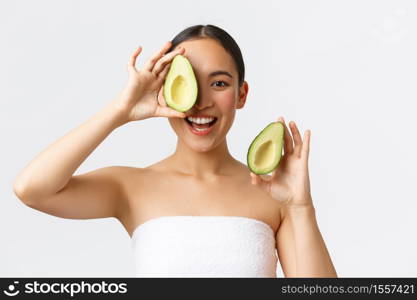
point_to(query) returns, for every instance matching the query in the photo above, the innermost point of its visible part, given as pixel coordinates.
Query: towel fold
(204, 246)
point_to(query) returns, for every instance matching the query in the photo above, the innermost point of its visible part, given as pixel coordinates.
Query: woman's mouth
(200, 127)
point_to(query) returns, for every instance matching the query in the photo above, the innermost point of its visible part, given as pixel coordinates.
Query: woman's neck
(207, 164)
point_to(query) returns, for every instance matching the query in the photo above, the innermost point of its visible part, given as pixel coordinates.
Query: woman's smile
(200, 126)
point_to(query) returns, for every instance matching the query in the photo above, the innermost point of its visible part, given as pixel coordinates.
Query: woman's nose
(202, 101)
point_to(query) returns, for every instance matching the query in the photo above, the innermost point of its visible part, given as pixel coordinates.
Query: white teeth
(200, 120)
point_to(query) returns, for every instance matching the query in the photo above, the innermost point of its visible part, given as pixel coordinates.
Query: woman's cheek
(227, 103)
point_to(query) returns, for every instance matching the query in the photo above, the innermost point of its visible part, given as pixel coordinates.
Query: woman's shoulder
(132, 176)
(119, 171)
(134, 179)
(130, 170)
(128, 177)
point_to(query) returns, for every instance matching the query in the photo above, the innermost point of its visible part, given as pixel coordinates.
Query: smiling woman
(198, 212)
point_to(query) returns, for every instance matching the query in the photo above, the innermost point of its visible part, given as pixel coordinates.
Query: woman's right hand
(142, 97)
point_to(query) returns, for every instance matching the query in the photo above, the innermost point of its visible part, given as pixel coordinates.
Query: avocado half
(265, 151)
(180, 86)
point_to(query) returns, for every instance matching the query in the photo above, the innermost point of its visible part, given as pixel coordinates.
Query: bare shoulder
(123, 169)
(117, 171)
(129, 179)
(118, 174)
(270, 203)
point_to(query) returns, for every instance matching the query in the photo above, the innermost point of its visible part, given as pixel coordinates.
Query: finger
(306, 144)
(298, 143)
(259, 181)
(288, 143)
(265, 177)
(132, 60)
(151, 62)
(159, 66)
(274, 174)
(160, 98)
(164, 111)
(163, 73)
(254, 178)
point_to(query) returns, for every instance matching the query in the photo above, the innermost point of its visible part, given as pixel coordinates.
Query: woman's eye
(220, 83)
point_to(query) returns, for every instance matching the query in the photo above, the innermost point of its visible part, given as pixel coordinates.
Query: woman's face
(219, 94)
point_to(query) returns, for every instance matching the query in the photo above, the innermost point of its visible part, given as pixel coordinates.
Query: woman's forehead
(207, 55)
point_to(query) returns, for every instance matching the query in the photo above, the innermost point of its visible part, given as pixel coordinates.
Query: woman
(198, 212)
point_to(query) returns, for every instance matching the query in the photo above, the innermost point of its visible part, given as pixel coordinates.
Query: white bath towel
(204, 246)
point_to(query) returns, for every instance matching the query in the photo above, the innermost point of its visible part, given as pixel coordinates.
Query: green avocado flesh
(180, 86)
(265, 151)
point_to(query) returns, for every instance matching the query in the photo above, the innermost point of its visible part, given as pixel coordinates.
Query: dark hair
(218, 34)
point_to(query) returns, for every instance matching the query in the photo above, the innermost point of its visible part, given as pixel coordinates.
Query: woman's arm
(47, 183)
(51, 170)
(300, 245)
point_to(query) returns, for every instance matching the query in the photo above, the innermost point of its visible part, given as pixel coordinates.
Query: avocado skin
(250, 149)
(192, 79)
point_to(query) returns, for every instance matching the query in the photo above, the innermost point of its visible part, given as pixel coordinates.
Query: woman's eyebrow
(220, 72)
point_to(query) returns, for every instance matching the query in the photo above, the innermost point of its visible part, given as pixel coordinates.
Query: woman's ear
(243, 93)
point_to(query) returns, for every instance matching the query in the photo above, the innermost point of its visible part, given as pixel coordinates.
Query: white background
(347, 70)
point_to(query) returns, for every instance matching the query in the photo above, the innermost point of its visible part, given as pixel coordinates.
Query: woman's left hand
(289, 183)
